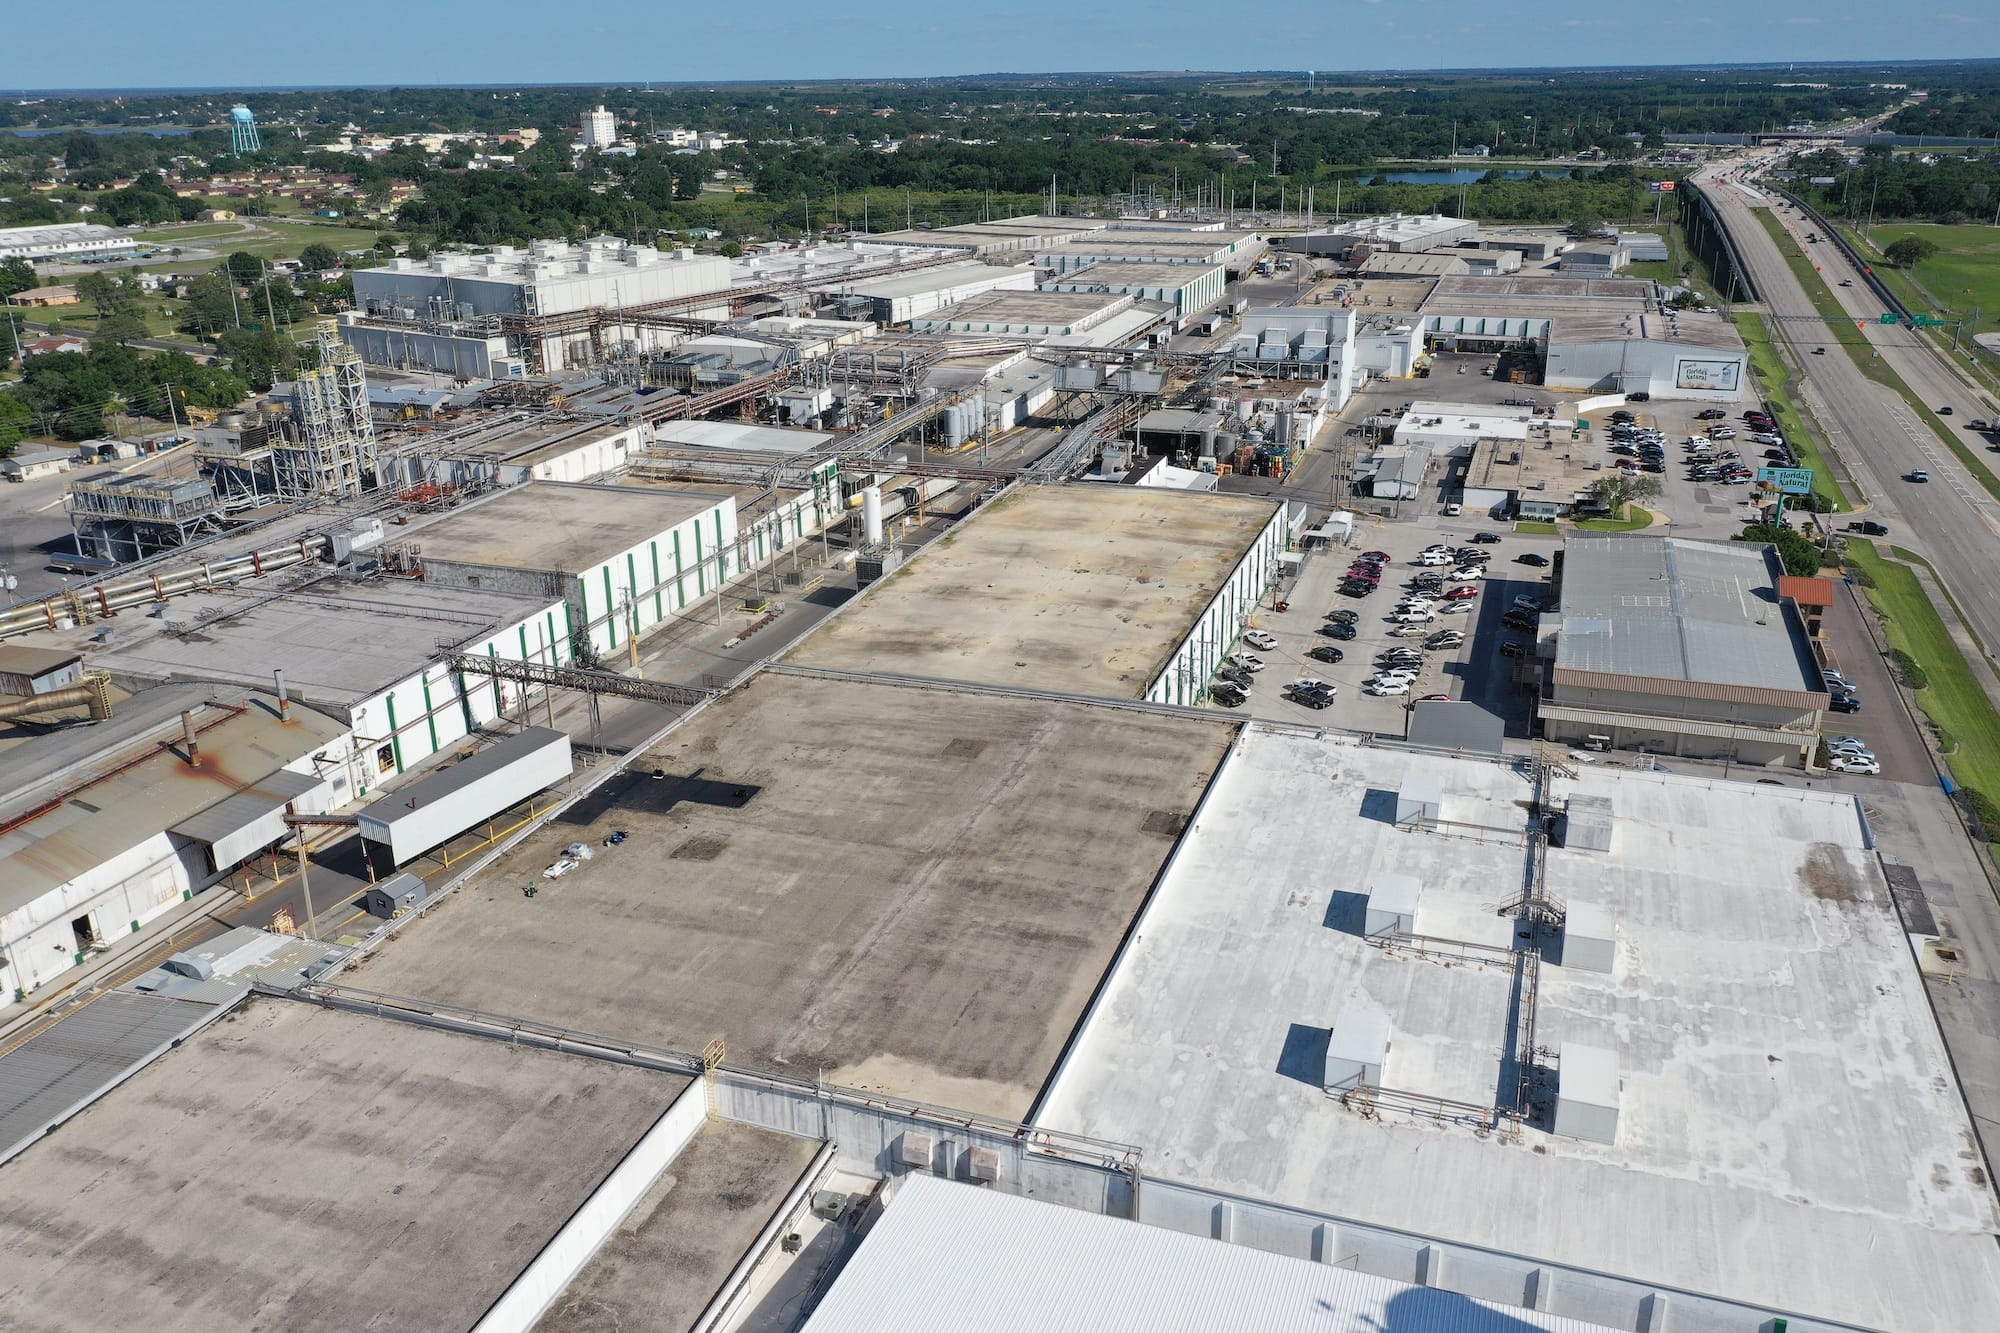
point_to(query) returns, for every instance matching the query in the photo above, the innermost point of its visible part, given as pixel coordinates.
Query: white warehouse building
(898, 298)
(64, 240)
(445, 305)
(1188, 288)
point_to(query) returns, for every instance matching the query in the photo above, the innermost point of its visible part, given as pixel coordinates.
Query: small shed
(1590, 942)
(38, 670)
(28, 464)
(1421, 798)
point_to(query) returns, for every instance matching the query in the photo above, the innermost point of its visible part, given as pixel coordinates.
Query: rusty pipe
(187, 738)
(92, 693)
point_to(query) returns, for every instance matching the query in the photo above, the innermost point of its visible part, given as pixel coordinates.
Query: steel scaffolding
(333, 450)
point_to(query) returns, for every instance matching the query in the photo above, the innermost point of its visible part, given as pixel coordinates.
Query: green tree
(245, 267)
(100, 291)
(1613, 493)
(17, 275)
(1909, 252)
(17, 420)
(1584, 225)
(121, 326)
(1801, 557)
(318, 257)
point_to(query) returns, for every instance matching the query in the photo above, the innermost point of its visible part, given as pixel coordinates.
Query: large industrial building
(1121, 592)
(63, 241)
(898, 298)
(1592, 334)
(1188, 288)
(450, 312)
(1682, 648)
(108, 826)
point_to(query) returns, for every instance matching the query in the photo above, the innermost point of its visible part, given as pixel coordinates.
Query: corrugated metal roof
(946, 1255)
(1667, 609)
(247, 806)
(56, 1073)
(1688, 689)
(1680, 726)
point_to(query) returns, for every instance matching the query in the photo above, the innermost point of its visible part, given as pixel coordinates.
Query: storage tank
(871, 516)
(954, 426)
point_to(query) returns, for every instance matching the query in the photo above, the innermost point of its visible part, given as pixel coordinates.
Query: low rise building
(57, 242)
(37, 297)
(1678, 647)
(1188, 288)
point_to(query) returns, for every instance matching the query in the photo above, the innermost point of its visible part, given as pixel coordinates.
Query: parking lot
(1474, 670)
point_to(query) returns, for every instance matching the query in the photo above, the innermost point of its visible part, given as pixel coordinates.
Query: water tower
(243, 130)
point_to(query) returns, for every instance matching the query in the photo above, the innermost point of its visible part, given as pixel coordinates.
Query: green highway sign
(1888, 318)
(1790, 480)
(1916, 321)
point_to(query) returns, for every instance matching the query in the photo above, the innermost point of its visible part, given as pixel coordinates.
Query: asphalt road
(1950, 520)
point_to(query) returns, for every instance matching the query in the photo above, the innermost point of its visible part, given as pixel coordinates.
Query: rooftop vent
(1421, 799)
(1587, 1093)
(1392, 904)
(1356, 1049)
(1590, 940)
(1586, 824)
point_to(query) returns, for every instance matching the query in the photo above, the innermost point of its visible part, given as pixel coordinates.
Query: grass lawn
(1962, 277)
(1953, 699)
(1768, 368)
(1844, 332)
(1536, 527)
(199, 231)
(1634, 518)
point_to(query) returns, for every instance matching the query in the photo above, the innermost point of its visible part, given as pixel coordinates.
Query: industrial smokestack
(187, 738)
(284, 700)
(871, 516)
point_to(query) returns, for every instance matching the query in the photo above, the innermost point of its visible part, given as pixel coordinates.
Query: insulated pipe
(187, 738)
(92, 694)
(284, 700)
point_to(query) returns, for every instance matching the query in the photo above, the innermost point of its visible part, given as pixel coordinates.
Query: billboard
(1661, 187)
(1790, 480)
(1721, 376)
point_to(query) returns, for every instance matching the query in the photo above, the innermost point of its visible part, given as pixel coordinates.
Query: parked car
(1229, 696)
(1386, 688)
(1338, 630)
(1452, 510)
(1462, 593)
(1446, 638)
(1518, 620)
(1455, 608)
(1325, 653)
(1486, 538)
(1247, 661)
(1382, 556)
(1343, 615)
(1468, 572)
(1851, 745)
(1512, 648)
(1845, 703)
(1531, 558)
(1408, 632)
(1257, 638)
(1854, 763)
(1838, 681)
(1710, 414)
(1869, 528)
(1413, 618)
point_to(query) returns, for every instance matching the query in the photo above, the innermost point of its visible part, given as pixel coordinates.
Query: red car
(1460, 594)
(1374, 555)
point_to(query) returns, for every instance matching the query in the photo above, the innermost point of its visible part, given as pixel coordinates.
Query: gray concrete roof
(300, 1168)
(1680, 610)
(549, 525)
(918, 893)
(1790, 1133)
(1075, 589)
(677, 1246)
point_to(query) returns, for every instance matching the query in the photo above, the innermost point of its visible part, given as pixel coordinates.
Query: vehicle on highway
(1257, 638)
(1977, 424)
(1854, 763)
(1325, 652)
(1945, 411)
(1486, 538)
(1819, 351)
(1847, 282)
(1919, 475)
(1532, 558)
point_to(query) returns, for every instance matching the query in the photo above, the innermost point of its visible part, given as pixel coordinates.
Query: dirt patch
(1829, 877)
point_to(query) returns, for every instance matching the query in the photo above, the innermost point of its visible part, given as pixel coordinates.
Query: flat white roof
(1789, 1131)
(951, 1256)
(740, 435)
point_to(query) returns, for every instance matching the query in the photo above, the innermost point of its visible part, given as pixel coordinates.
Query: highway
(1950, 520)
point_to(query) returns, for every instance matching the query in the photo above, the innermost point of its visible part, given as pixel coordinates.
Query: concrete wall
(551, 1271)
(590, 459)
(1185, 678)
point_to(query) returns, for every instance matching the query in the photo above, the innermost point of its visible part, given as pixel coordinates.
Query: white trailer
(409, 822)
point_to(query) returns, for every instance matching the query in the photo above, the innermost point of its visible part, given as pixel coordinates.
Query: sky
(206, 43)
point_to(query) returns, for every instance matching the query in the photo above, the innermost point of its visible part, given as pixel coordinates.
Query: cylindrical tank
(1245, 407)
(954, 426)
(871, 515)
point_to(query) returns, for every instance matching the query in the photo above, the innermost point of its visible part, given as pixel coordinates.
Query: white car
(1457, 608)
(1452, 510)
(1408, 632)
(1434, 558)
(1384, 688)
(1854, 763)
(1248, 661)
(1257, 638)
(1412, 618)
(1468, 572)
(1402, 673)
